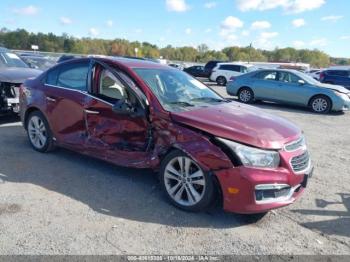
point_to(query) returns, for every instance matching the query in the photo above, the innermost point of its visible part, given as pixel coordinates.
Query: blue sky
(321, 24)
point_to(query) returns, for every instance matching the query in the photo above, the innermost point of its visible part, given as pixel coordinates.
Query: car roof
(127, 62)
(235, 63)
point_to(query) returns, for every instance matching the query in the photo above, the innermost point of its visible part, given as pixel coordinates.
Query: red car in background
(145, 115)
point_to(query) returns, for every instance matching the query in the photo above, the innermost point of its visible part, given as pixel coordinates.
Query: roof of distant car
(4, 50)
(235, 63)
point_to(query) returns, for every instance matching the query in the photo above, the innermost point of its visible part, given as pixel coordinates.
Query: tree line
(23, 40)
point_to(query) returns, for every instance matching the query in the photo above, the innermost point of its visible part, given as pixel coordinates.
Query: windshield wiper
(209, 99)
(181, 103)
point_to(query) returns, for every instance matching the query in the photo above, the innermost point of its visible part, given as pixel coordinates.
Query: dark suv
(208, 68)
(336, 77)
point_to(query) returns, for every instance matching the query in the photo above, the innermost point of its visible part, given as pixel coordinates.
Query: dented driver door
(118, 138)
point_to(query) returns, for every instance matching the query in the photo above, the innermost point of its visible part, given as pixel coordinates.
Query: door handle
(50, 99)
(91, 112)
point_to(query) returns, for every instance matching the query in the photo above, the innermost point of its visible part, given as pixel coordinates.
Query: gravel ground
(65, 203)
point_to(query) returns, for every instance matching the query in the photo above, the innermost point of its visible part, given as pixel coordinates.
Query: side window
(51, 77)
(287, 77)
(110, 87)
(266, 75)
(244, 69)
(74, 76)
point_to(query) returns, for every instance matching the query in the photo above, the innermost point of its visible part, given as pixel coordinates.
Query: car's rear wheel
(39, 133)
(320, 104)
(184, 182)
(246, 95)
(221, 81)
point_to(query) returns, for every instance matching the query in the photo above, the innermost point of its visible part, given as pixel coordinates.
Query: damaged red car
(141, 114)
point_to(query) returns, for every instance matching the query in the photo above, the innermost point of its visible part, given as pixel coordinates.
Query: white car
(222, 73)
(314, 73)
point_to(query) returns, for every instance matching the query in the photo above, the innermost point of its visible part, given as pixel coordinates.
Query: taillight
(322, 76)
(232, 78)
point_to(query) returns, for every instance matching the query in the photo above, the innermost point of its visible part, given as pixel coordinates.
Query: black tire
(48, 145)
(320, 104)
(221, 80)
(208, 193)
(245, 95)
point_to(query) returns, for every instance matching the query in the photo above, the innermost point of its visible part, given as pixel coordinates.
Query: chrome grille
(295, 145)
(301, 162)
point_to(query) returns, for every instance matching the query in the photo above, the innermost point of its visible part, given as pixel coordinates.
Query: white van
(222, 73)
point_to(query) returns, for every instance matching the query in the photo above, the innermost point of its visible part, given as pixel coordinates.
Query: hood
(241, 123)
(337, 88)
(17, 75)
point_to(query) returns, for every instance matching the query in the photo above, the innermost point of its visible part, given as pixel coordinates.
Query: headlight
(342, 95)
(253, 157)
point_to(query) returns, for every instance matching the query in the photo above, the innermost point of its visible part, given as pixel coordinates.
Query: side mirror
(125, 107)
(301, 82)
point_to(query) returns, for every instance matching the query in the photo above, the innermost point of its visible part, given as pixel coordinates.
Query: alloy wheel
(319, 105)
(37, 132)
(184, 181)
(245, 96)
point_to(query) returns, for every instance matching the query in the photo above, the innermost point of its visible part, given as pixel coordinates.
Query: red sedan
(145, 115)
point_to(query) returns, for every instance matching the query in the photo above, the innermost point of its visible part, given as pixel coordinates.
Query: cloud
(289, 6)
(208, 30)
(210, 5)
(188, 31)
(245, 33)
(268, 35)
(298, 44)
(228, 36)
(319, 42)
(65, 20)
(264, 40)
(332, 18)
(93, 32)
(138, 30)
(177, 5)
(231, 23)
(109, 23)
(298, 22)
(28, 10)
(259, 25)
(345, 37)
(229, 26)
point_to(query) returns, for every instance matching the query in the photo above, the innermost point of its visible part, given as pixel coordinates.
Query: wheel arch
(330, 99)
(28, 112)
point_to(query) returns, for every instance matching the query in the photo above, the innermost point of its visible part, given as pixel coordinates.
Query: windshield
(307, 78)
(11, 60)
(176, 90)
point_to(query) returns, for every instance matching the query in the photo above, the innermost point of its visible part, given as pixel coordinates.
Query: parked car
(176, 66)
(289, 87)
(314, 73)
(222, 73)
(208, 68)
(336, 77)
(197, 71)
(142, 114)
(38, 62)
(13, 72)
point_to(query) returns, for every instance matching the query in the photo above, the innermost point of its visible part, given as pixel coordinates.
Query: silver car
(289, 87)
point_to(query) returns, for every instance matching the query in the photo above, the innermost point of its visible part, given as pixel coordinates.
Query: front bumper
(250, 190)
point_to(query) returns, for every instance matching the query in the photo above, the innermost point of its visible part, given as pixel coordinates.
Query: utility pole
(250, 48)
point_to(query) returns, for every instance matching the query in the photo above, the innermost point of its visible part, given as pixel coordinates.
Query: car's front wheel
(320, 104)
(184, 182)
(246, 95)
(39, 132)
